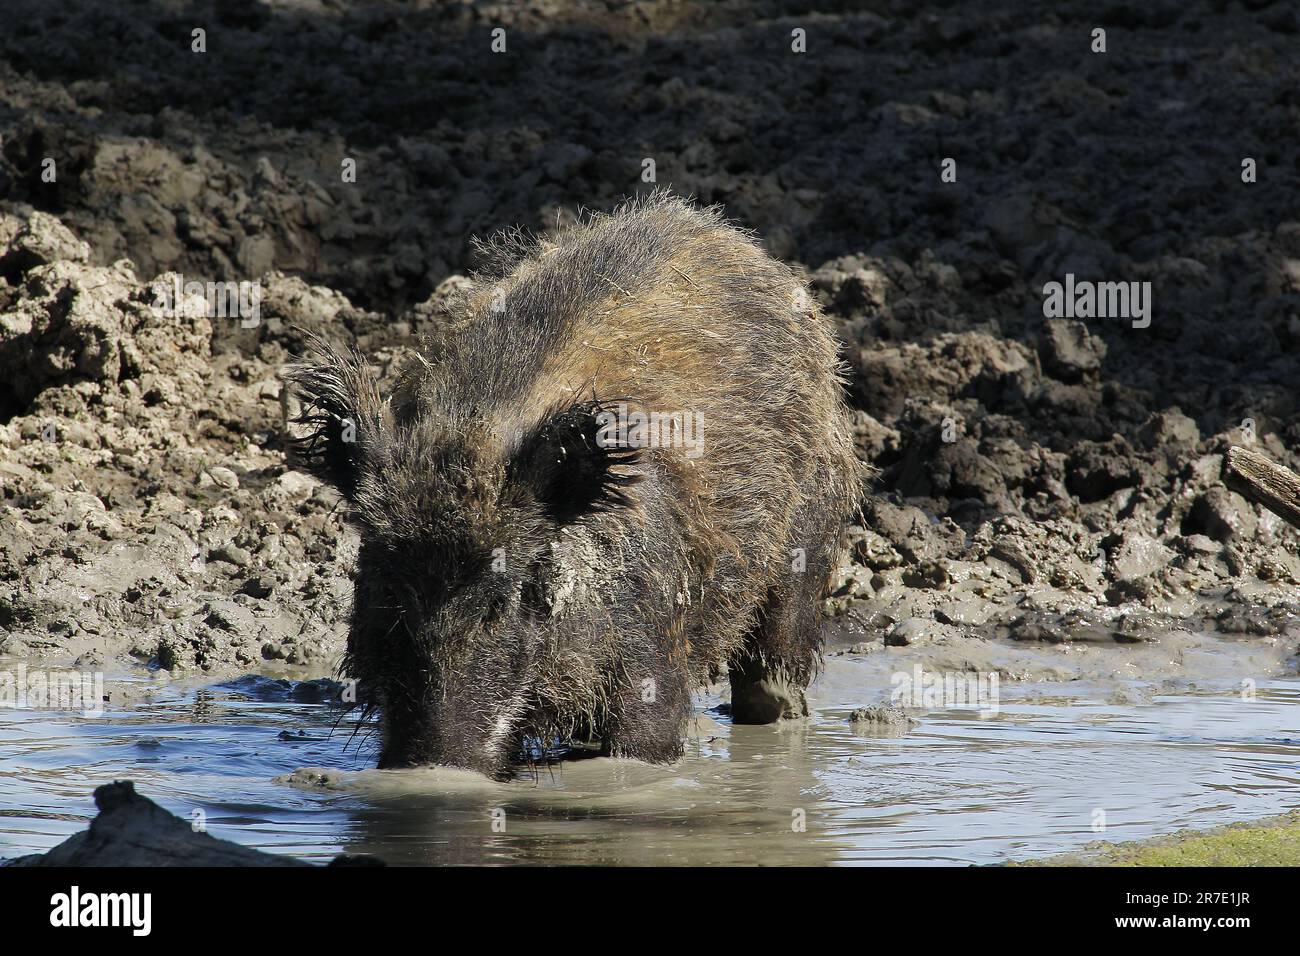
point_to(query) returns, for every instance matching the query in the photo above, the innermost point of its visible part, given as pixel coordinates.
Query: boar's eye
(494, 608)
(532, 595)
(569, 470)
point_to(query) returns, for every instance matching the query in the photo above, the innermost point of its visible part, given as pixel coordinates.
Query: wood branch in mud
(1275, 487)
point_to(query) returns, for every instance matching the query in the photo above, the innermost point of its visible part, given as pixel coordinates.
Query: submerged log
(1275, 487)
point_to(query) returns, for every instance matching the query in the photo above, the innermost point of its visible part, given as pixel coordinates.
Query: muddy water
(1179, 745)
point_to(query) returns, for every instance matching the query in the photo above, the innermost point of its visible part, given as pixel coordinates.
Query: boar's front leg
(650, 706)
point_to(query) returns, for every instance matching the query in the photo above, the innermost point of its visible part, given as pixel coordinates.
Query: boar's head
(459, 511)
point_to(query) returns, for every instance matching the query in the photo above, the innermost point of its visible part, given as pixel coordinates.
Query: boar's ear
(568, 463)
(343, 411)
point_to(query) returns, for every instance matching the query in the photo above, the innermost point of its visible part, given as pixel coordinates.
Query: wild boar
(626, 473)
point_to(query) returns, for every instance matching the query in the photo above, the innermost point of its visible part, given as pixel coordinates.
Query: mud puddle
(1057, 760)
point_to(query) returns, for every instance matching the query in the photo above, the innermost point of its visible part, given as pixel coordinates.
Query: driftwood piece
(1275, 487)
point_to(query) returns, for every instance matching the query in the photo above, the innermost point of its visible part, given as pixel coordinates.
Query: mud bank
(132, 830)
(1049, 482)
(148, 514)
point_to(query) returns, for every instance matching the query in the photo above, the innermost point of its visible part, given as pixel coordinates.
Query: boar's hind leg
(765, 685)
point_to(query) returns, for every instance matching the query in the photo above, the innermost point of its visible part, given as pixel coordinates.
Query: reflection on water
(1031, 780)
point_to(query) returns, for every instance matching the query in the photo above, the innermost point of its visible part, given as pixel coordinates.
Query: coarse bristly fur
(524, 577)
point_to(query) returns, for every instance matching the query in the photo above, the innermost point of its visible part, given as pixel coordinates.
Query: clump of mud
(146, 511)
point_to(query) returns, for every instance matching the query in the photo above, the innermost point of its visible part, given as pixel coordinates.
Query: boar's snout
(453, 733)
(459, 701)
